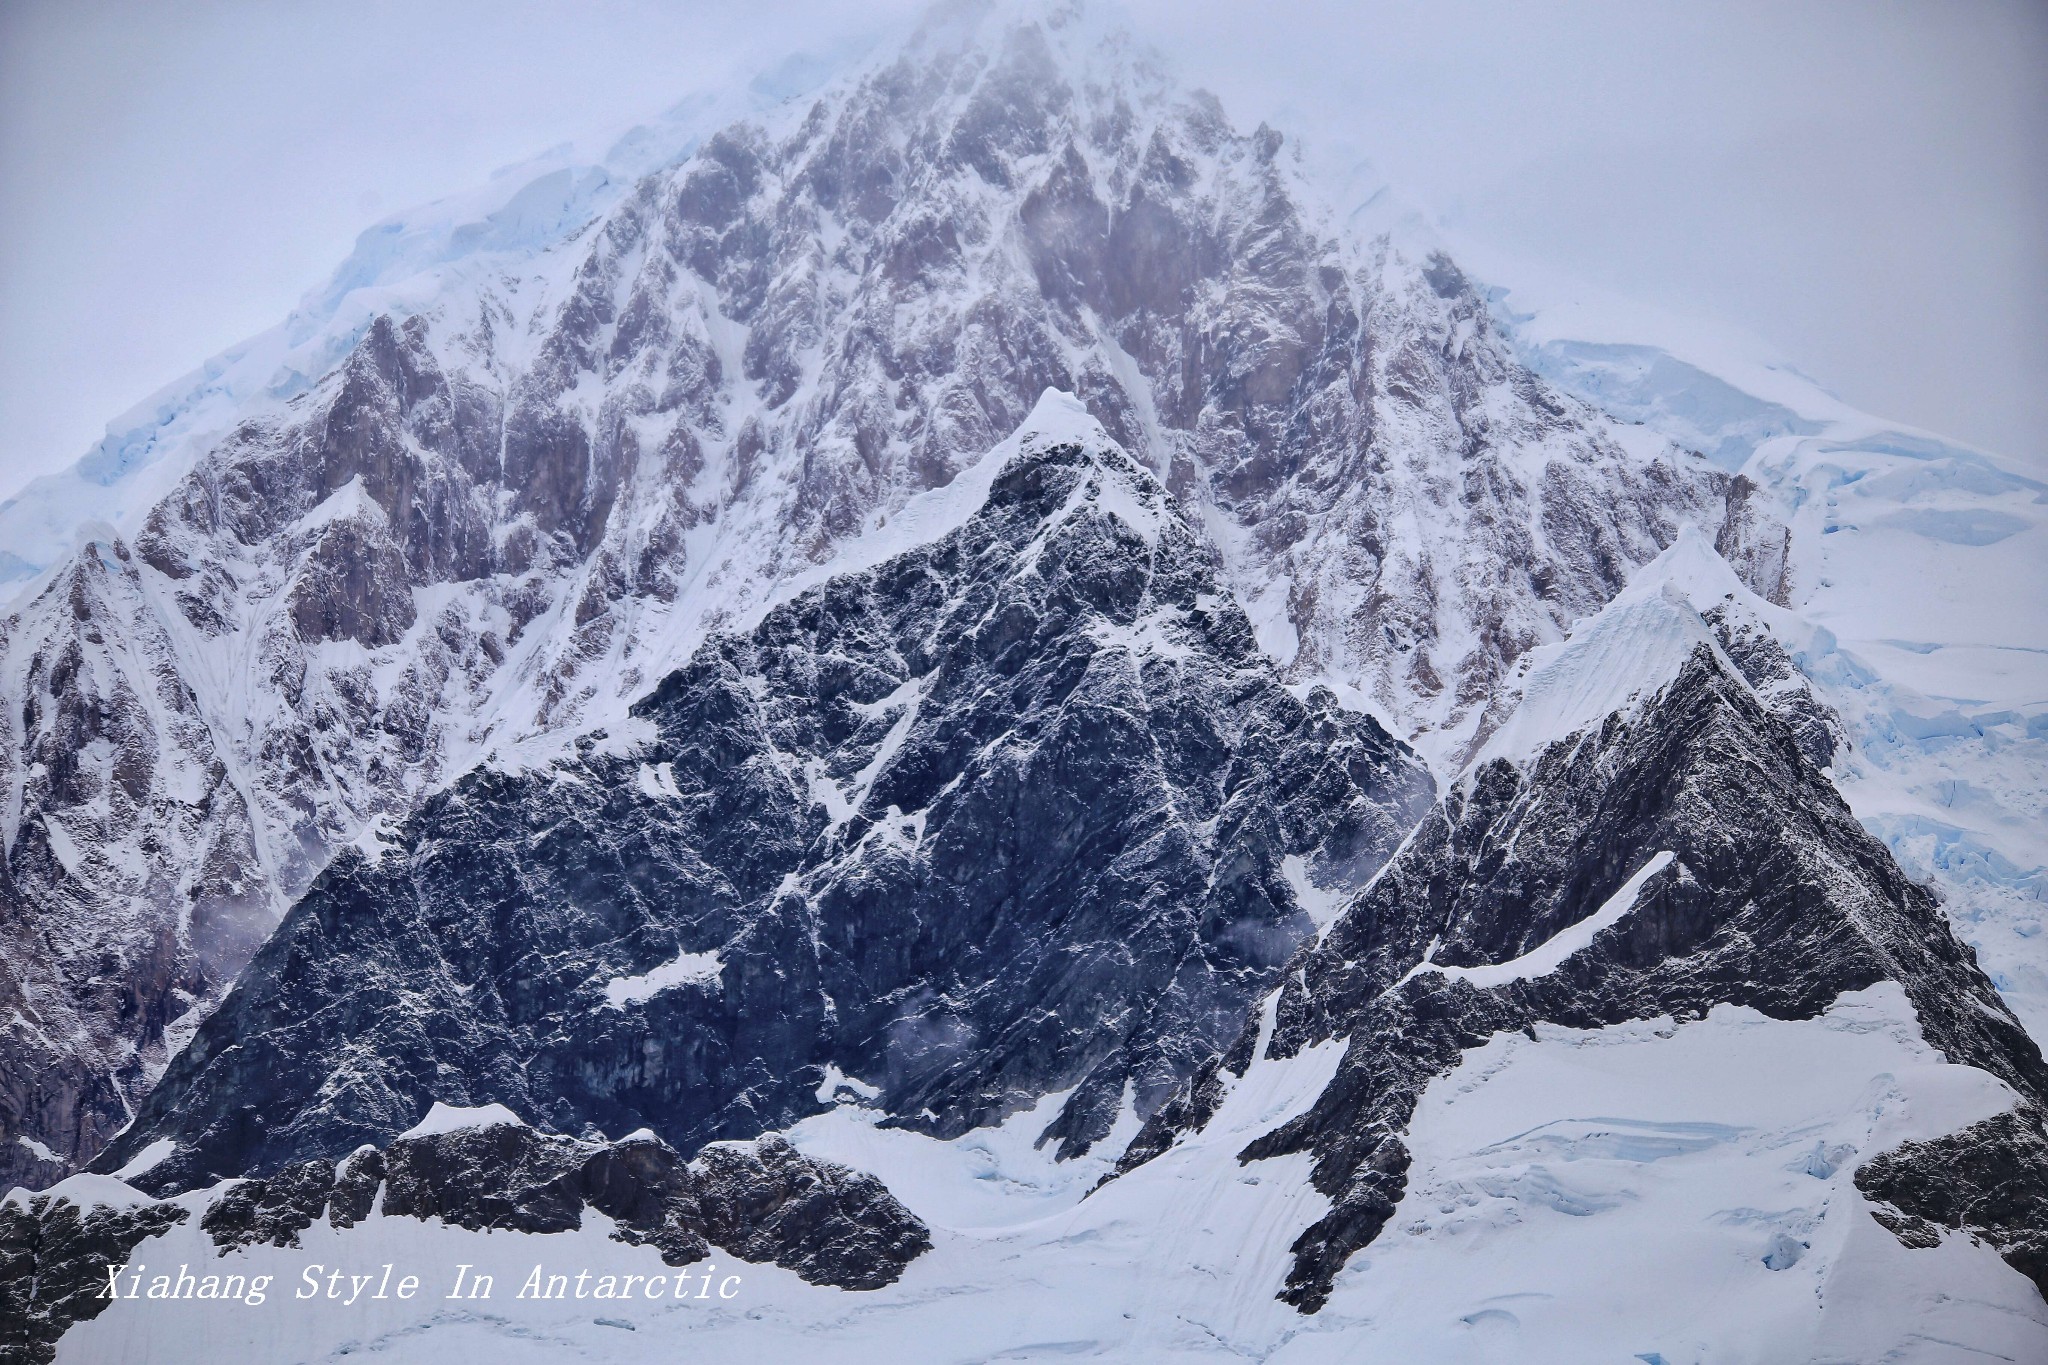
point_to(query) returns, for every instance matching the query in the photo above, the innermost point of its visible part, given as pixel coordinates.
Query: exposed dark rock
(1784, 690)
(1755, 543)
(352, 586)
(831, 1225)
(275, 1209)
(1775, 899)
(356, 1183)
(762, 1202)
(1008, 814)
(53, 1266)
(976, 218)
(117, 768)
(502, 1176)
(1989, 1181)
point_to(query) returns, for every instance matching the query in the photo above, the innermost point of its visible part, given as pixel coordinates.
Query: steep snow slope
(531, 448)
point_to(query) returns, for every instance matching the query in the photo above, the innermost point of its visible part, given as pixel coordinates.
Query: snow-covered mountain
(1019, 811)
(902, 635)
(506, 512)
(1649, 836)
(1639, 969)
(1920, 578)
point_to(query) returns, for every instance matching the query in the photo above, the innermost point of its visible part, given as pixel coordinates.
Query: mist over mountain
(861, 666)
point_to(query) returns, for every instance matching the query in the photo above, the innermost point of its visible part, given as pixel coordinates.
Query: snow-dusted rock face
(1655, 839)
(1988, 1181)
(1020, 811)
(54, 1251)
(510, 510)
(133, 886)
(662, 717)
(764, 1202)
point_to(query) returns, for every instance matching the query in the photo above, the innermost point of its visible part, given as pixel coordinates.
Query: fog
(1861, 187)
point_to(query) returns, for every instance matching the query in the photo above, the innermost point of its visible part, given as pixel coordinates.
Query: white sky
(1862, 185)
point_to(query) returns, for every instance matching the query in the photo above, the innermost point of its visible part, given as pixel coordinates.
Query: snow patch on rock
(451, 1118)
(683, 970)
(1549, 955)
(147, 1158)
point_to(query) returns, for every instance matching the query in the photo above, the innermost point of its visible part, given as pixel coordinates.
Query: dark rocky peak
(1015, 811)
(1772, 674)
(1631, 846)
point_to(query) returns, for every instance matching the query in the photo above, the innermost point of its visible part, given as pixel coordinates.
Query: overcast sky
(1862, 185)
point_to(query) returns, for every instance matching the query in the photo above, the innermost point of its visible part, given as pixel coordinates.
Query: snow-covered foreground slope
(1664, 1190)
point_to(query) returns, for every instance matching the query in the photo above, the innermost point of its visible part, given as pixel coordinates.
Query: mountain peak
(622, 419)
(1058, 416)
(1625, 654)
(1036, 757)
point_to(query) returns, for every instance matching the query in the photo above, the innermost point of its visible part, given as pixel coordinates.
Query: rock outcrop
(1017, 811)
(1702, 859)
(764, 1203)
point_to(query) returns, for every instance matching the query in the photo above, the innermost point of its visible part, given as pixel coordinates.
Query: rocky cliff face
(1681, 852)
(1019, 811)
(54, 1253)
(513, 507)
(132, 887)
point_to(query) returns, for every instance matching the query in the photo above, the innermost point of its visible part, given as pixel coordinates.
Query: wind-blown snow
(1322, 906)
(990, 1178)
(1058, 418)
(86, 1190)
(1555, 1179)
